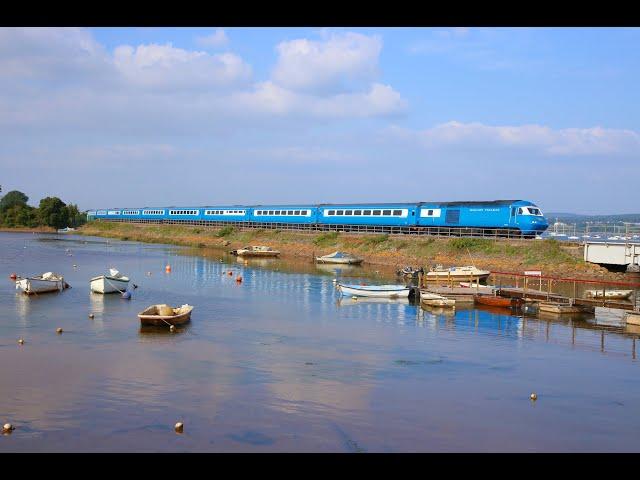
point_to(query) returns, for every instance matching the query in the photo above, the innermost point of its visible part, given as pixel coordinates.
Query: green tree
(76, 217)
(11, 199)
(53, 212)
(20, 216)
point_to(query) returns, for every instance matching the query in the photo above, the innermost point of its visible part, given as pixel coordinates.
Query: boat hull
(612, 294)
(148, 317)
(249, 253)
(368, 292)
(32, 286)
(495, 301)
(339, 261)
(438, 302)
(105, 284)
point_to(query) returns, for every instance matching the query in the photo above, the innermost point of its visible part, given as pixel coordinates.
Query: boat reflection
(346, 301)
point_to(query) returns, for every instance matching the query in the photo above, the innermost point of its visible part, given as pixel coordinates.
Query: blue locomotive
(499, 217)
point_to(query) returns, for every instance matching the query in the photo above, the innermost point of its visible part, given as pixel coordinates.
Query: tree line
(51, 212)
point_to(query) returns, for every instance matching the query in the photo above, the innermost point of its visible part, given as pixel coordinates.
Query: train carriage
(367, 216)
(283, 215)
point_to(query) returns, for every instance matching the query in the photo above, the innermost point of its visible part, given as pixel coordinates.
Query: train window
(519, 211)
(397, 212)
(357, 212)
(386, 212)
(270, 212)
(366, 212)
(376, 212)
(290, 212)
(339, 212)
(348, 212)
(430, 212)
(331, 212)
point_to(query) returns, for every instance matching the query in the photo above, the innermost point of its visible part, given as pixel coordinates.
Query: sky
(135, 117)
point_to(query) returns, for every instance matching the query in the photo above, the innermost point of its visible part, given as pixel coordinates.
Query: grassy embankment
(550, 256)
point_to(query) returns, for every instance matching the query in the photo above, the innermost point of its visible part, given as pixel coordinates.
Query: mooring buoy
(533, 397)
(13, 276)
(8, 428)
(172, 328)
(91, 315)
(179, 427)
(21, 341)
(59, 330)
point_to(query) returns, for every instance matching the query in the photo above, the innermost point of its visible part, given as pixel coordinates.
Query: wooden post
(602, 341)
(525, 287)
(548, 289)
(604, 294)
(575, 290)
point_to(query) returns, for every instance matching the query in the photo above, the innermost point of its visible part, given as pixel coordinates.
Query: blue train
(499, 217)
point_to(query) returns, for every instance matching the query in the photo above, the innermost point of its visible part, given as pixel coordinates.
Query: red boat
(496, 301)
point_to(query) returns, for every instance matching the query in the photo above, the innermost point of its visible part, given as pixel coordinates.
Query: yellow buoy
(91, 315)
(21, 341)
(179, 427)
(58, 330)
(533, 397)
(172, 328)
(8, 428)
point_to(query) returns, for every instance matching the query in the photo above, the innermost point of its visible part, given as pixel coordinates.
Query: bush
(225, 231)
(326, 239)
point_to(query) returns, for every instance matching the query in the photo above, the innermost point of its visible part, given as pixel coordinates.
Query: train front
(530, 219)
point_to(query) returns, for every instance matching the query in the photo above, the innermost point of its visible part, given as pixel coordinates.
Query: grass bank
(550, 256)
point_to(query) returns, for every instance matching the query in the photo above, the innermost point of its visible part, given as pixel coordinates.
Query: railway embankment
(550, 256)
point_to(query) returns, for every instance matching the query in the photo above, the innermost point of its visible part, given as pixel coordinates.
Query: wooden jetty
(632, 318)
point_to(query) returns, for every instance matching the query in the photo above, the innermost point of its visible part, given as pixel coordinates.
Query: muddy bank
(389, 251)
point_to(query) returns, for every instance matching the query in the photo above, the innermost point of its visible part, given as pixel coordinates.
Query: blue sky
(156, 116)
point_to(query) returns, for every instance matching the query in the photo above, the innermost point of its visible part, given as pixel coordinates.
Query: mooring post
(548, 289)
(633, 348)
(575, 287)
(602, 341)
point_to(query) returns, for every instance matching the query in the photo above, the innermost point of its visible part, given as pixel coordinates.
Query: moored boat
(468, 273)
(339, 258)
(113, 283)
(386, 291)
(256, 251)
(165, 315)
(46, 282)
(497, 301)
(609, 294)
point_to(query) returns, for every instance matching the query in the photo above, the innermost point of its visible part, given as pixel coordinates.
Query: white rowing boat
(609, 294)
(113, 283)
(47, 282)
(380, 291)
(256, 251)
(339, 258)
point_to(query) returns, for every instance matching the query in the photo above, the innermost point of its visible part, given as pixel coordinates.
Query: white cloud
(166, 66)
(329, 64)
(535, 138)
(216, 39)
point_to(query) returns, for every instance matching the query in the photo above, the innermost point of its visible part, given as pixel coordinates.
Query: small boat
(563, 308)
(47, 282)
(497, 301)
(115, 282)
(434, 300)
(386, 291)
(632, 317)
(66, 230)
(340, 257)
(256, 251)
(457, 273)
(609, 294)
(165, 315)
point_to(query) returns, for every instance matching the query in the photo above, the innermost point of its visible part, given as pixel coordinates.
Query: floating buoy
(8, 428)
(21, 341)
(126, 295)
(533, 397)
(59, 330)
(238, 279)
(75, 266)
(167, 268)
(334, 280)
(230, 273)
(13, 276)
(172, 328)
(149, 273)
(91, 315)
(179, 427)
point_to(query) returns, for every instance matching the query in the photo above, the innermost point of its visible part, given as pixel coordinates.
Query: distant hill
(582, 220)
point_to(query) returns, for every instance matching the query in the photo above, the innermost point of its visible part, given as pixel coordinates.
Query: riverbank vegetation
(550, 256)
(51, 212)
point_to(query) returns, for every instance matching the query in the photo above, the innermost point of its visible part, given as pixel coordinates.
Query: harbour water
(278, 363)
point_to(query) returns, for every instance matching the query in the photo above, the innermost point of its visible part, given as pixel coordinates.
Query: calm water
(278, 364)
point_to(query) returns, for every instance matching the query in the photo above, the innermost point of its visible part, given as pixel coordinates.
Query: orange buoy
(230, 273)
(167, 268)
(13, 276)
(239, 279)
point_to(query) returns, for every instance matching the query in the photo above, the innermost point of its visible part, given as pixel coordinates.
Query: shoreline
(28, 229)
(388, 251)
